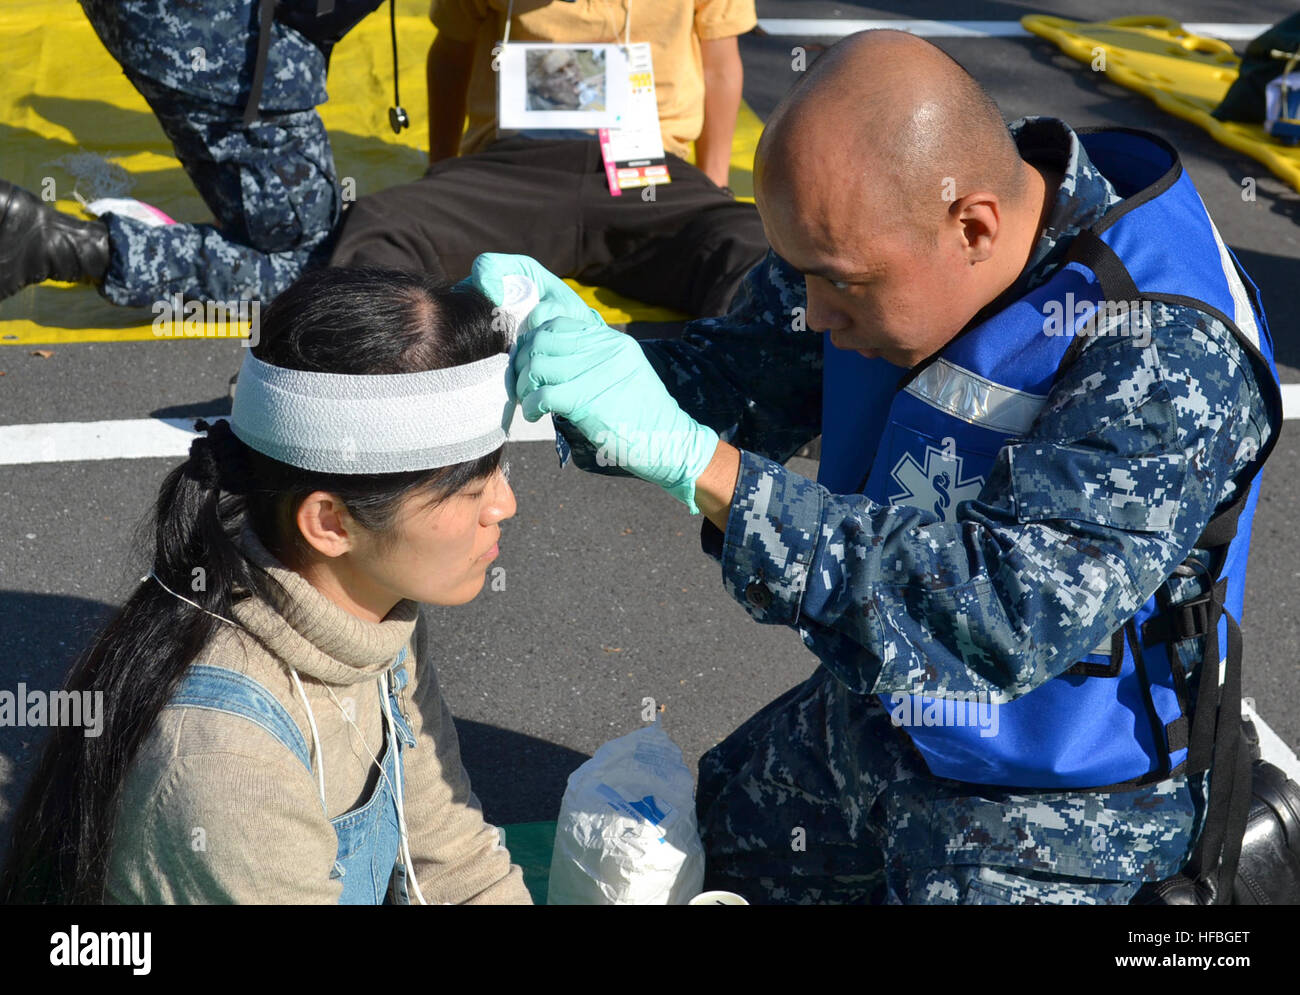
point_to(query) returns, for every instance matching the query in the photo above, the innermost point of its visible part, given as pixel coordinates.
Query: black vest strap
(266, 14)
(1222, 528)
(1089, 250)
(1201, 746)
(1153, 716)
(1213, 864)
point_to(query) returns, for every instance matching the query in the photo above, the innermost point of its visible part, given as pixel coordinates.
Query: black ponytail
(357, 321)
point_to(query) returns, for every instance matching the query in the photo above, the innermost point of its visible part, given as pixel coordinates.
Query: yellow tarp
(70, 120)
(1185, 74)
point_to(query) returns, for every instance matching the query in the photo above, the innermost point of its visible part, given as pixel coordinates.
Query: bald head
(889, 180)
(892, 121)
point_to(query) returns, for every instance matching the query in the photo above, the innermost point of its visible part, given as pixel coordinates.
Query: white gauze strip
(382, 423)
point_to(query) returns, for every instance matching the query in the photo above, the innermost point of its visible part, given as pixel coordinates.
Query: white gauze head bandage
(377, 423)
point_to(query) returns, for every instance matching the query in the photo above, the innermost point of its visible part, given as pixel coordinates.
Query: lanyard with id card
(574, 86)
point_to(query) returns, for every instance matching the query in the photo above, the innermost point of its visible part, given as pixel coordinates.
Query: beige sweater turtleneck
(215, 809)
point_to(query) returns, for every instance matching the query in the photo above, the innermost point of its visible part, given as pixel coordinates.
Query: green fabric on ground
(530, 845)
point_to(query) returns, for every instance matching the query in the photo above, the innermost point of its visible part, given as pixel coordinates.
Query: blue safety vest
(928, 438)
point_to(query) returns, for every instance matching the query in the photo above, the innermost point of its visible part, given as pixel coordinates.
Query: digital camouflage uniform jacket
(868, 587)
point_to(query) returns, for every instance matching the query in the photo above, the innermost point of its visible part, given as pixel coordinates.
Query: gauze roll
(519, 297)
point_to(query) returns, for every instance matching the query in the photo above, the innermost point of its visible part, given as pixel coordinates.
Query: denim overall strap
(369, 835)
(222, 690)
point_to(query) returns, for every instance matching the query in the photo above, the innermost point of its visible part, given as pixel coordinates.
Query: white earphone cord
(401, 810)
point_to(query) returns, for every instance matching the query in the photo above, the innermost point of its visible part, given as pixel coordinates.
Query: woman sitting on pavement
(273, 731)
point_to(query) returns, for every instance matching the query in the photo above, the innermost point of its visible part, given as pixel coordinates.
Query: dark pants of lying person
(687, 247)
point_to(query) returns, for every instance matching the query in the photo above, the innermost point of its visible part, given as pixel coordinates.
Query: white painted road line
(834, 27)
(145, 438)
(1291, 400)
(1272, 747)
(62, 442)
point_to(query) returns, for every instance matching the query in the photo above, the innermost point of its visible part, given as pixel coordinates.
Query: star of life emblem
(938, 486)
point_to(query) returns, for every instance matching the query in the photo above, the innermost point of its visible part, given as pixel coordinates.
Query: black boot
(39, 243)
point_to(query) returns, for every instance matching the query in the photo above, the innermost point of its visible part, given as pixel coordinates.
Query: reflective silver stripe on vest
(973, 399)
(1243, 314)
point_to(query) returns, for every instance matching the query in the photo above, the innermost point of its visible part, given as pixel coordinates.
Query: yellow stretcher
(1185, 74)
(70, 120)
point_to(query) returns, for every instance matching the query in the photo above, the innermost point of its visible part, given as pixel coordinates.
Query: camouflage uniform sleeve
(754, 375)
(1077, 525)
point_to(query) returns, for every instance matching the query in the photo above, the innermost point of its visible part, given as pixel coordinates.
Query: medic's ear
(979, 216)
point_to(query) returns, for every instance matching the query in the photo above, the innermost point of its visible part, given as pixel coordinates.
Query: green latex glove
(600, 380)
(489, 267)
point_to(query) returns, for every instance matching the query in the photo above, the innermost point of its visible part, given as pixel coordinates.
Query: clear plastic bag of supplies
(1282, 108)
(627, 833)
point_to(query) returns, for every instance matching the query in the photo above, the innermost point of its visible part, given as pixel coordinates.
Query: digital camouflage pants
(818, 798)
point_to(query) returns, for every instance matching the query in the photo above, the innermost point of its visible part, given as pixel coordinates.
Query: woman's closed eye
(503, 469)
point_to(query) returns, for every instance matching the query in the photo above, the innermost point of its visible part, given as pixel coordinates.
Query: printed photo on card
(548, 85)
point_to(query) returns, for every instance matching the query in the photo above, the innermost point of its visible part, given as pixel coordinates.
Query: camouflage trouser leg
(771, 816)
(973, 885)
(877, 827)
(271, 187)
